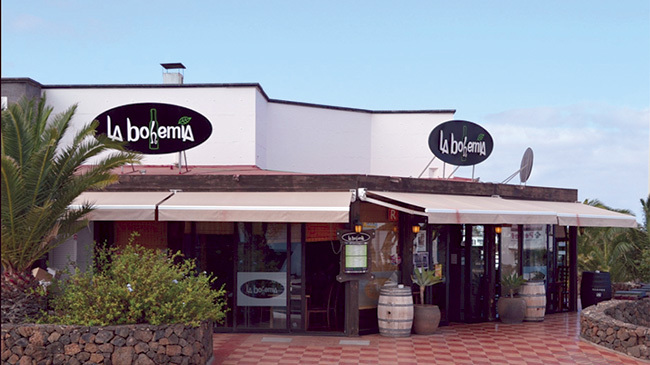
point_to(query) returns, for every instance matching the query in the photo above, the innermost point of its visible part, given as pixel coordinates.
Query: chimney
(173, 73)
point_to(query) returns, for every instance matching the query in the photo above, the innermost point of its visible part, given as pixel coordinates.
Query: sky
(569, 79)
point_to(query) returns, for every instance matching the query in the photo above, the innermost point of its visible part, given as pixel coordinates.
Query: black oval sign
(355, 237)
(461, 143)
(155, 128)
(262, 288)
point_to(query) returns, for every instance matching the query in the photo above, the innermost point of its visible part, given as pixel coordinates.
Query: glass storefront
(283, 277)
(261, 280)
(534, 252)
(385, 261)
(509, 253)
(278, 277)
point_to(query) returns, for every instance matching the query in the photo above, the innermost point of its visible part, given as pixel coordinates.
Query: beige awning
(583, 215)
(121, 206)
(462, 209)
(308, 207)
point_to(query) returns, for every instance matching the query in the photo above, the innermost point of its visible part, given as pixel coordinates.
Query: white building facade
(250, 129)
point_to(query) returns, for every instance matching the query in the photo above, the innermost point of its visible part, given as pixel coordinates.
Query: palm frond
(41, 178)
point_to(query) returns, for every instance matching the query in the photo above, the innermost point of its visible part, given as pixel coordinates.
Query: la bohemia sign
(154, 128)
(461, 143)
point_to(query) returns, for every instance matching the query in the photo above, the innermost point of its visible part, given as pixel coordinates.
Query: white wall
(261, 130)
(75, 251)
(230, 110)
(317, 140)
(250, 130)
(400, 143)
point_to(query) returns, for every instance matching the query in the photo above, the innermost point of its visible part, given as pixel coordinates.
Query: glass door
(558, 276)
(467, 280)
(268, 274)
(477, 289)
(535, 252)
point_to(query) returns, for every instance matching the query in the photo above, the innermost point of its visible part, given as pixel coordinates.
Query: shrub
(136, 285)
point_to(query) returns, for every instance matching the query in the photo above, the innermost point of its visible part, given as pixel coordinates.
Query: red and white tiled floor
(553, 341)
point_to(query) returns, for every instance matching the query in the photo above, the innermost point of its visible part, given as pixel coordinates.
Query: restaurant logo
(155, 128)
(460, 143)
(262, 288)
(355, 237)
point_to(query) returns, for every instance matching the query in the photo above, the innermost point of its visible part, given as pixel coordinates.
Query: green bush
(136, 285)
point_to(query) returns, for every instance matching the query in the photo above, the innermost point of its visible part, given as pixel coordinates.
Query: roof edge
(27, 80)
(225, 85)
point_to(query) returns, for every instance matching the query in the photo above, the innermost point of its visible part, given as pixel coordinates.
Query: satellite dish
(526, 165)
(525, 168)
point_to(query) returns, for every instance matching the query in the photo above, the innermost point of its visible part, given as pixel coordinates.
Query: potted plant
(511, 309)
(426, 317)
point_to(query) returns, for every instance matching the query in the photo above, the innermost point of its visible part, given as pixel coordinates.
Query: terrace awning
(462, 209)
(121, 206)
(325, 207)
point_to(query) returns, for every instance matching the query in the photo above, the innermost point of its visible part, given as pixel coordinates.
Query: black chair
(322, 308)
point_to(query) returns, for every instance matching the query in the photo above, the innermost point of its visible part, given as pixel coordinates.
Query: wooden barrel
(595, 287)
(395, 311)
(534, 293)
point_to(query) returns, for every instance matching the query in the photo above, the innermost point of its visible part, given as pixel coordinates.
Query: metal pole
(425, 169)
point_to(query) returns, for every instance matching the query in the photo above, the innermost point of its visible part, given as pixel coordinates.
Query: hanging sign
(155, 128)
(460, 143)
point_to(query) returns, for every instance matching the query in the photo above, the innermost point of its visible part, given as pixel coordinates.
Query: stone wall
(621, 325)
(118, 345)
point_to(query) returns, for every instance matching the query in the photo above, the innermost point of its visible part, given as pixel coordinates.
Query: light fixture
(358, 228)
(416, 228)
(497, 229)
(395, 229)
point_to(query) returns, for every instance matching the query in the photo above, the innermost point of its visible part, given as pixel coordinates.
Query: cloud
(28, 23)
(601, 150)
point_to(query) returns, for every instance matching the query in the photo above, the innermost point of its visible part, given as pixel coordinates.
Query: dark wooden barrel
(595, 287)
(395, 311)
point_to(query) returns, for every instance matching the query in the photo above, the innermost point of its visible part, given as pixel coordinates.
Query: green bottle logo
(153, 131)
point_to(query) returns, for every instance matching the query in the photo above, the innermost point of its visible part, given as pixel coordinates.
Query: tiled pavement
(553, 341)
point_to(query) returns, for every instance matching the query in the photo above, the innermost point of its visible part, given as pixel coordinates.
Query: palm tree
(610, 249)
(40, 178)
(643, 263)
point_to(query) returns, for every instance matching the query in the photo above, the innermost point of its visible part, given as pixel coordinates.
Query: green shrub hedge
(136, 285)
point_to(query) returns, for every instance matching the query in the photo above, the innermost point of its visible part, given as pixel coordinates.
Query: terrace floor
(554, 341)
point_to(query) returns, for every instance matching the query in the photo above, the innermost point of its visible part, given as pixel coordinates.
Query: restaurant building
(261, 192)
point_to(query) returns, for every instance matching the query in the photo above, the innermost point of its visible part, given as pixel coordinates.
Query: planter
(122, 344)
(619, 325)
(511, 310)
(426, 318)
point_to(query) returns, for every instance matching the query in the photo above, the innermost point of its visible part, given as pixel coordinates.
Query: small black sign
(155, 128)
(355, 237)
(461, 143)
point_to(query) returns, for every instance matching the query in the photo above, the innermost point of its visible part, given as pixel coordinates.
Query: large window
(262, 275)
(534, 252)
(509, 256)
(385, 261)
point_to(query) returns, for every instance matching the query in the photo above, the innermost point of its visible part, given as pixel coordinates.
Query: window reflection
(385, 260)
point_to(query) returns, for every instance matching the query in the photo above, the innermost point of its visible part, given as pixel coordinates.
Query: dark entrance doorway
(471, 273)
(324, 295)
